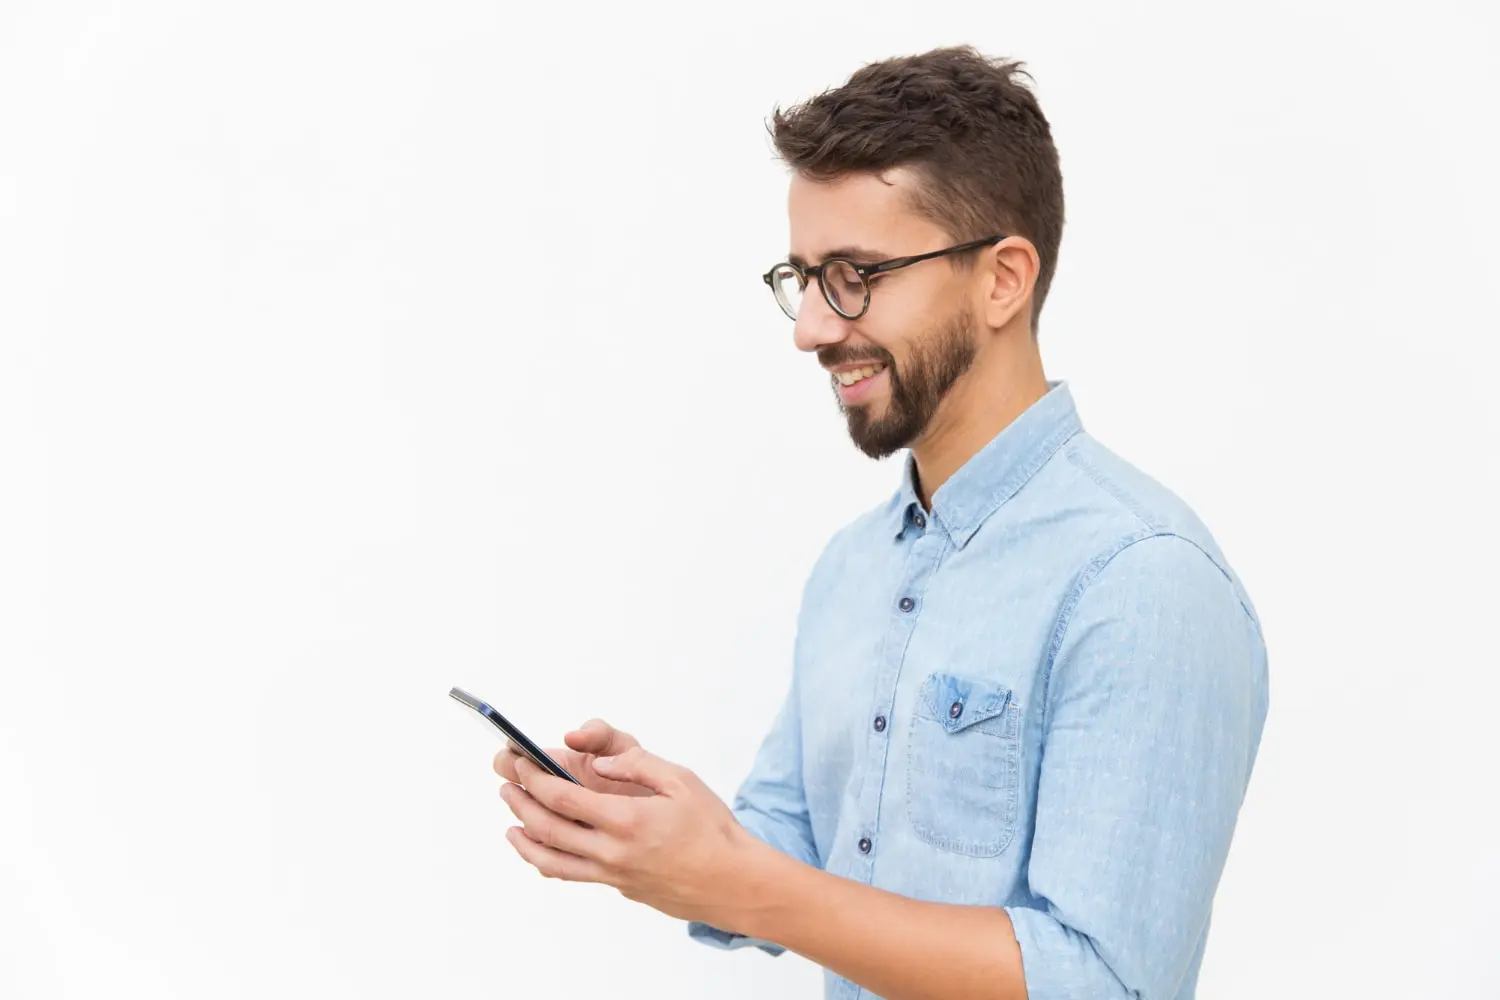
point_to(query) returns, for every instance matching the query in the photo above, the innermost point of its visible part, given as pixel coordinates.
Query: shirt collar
(996, 472)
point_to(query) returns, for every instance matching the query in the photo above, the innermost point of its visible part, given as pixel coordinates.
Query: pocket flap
(957, 703)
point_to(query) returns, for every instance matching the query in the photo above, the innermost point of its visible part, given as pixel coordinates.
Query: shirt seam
(1011, 485)
(1108, 486)
(1156, 526)
(1090, 574)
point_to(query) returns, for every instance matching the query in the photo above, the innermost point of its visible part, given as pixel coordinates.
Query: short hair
(972, 133)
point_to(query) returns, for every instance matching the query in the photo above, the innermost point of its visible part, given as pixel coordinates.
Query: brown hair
(974, 135)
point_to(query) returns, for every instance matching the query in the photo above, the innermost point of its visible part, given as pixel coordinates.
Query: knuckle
(610, 854)
(629, 822)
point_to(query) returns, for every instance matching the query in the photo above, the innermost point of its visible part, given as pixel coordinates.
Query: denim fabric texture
(1045, 695)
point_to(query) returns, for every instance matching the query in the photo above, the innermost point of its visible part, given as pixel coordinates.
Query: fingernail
(604, 762)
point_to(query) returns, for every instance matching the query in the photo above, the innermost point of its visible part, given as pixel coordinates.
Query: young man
(1028, 690)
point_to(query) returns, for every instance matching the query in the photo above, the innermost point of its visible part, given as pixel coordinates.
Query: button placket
(921, 560)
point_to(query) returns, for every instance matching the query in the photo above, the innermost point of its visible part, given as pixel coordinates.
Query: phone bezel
(518, 739)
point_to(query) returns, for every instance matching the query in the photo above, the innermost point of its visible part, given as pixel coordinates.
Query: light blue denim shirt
(1046, 695)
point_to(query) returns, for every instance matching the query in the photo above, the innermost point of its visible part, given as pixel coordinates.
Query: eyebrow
(860, 255)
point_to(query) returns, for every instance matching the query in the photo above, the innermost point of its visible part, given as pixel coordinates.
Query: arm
(893, 946)
(771, 802)
(1154, 705)
(771, 806)
(1154, 709)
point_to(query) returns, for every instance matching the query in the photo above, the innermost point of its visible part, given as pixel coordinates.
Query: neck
(987, 399)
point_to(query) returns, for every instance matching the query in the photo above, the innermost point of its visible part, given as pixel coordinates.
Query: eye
(842, 274)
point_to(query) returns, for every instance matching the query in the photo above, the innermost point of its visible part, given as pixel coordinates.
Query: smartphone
(517, 738)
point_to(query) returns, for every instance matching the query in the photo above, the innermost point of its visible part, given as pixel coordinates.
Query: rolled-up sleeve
(772, 806)
(1154, 710)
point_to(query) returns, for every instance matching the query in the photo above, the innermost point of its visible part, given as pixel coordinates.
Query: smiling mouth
(857, 375)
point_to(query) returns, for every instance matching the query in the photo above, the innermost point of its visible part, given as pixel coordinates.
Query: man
(1028, 690)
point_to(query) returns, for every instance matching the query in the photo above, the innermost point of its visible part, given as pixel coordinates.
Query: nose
(817, 324)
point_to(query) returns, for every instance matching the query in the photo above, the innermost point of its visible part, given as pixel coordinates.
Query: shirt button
(921, 519)
(864, 845)
(907, 604)
(880, 723)
(955, 710)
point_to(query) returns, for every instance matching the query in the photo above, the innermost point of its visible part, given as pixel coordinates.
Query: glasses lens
(787, 284)
(847, 291)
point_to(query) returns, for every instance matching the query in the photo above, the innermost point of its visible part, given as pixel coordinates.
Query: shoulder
(1153, 537)
(1137, 499)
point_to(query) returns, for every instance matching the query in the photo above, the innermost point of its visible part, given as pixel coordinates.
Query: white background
(351, 351)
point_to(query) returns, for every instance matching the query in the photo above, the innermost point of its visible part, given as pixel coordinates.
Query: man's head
(912, 156)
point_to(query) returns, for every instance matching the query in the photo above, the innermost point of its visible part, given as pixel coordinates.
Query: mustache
(838, 354)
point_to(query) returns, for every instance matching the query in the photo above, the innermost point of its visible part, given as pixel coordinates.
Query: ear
(1010, 268)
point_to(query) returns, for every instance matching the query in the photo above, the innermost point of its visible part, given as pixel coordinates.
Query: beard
(938, 358)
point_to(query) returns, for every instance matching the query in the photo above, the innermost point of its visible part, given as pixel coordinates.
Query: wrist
(761, 882)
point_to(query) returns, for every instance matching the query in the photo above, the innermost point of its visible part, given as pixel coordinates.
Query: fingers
(643, 768)
(552, 863)
(505, 762)
(597, 809)
(598, 737)
(549, 828)
(591, 737)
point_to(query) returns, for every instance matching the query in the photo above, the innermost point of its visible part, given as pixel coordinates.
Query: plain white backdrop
(351, 351)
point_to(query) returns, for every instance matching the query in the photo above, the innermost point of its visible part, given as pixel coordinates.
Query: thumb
(643, 768)
(598, 737)
(594, 736)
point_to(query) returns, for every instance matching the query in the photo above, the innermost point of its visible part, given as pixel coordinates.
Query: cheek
(893, 344)
(889, 334)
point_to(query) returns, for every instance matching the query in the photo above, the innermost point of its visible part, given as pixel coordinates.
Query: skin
(909, 306)
(652, 829)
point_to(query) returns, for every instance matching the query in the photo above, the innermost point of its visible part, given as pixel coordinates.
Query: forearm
(896, 947)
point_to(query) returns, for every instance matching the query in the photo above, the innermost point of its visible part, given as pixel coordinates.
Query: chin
(876, 441)
(878, 450)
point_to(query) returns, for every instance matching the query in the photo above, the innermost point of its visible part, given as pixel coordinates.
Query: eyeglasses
(846, 284)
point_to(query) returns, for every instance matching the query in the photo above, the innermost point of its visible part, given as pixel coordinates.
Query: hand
(680, 850)
(595, 738)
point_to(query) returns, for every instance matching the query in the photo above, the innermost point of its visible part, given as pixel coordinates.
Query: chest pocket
(963, 765)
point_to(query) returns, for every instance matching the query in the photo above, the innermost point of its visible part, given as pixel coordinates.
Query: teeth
(859, 374)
